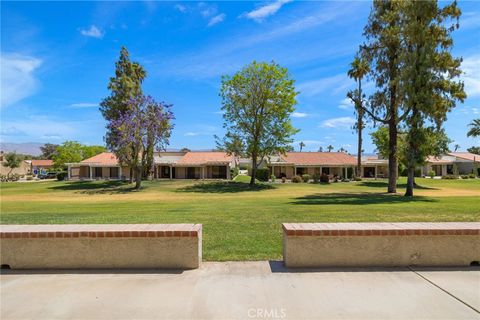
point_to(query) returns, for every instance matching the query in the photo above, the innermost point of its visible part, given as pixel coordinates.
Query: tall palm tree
(301, 145)
(456, 147)
(358, 69)
(475, 128)
(330, 148)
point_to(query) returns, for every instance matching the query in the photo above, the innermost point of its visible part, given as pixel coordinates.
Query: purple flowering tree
(146, 126)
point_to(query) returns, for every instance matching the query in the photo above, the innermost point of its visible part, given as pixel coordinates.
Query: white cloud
(333, 84)
(265, 11)
(191, 134)
(219, 112)
(299, 115)
(217, 19)
(181, 7)
(346, 104)
(470, 20)
(471, 77)
(338, 123)
(93, 32)
(207, 10)
(83, 105)
(17, 77)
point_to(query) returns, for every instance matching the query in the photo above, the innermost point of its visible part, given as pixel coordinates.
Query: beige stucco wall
(81, 253)
(180, 173)
(380, 251)
(25, 168)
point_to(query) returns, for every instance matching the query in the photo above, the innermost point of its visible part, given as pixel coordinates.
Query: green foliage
(61, 175)
(48, 150)
(296, 179)
(11, 160)
(357, 179)
(306, 178)
(90, 151)
(475, 150)
(431, 174)
(273, 178)
(73, 151)
(234, 172)
(465, 176)
(257, 103)
(472, 176)
(450, 177)
(316, 178)
(263, 174)
(474, 128)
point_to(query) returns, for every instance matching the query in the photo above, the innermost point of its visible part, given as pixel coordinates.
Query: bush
(345, 180)
(450, 177)
(234, 172)
(296, 179)
(263, 174)
(284, 179)
(324, 178)
(464, 176)
(61, 175)
(472, 176)
(306, 178)
(316, 178)
(357, 179)
(431, 174)
(273, 178)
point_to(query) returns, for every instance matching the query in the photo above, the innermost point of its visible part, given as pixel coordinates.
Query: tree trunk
(138, 177)
(410, 181)
(131, 175)
(392, 156)
(254, 170)
(359, 152)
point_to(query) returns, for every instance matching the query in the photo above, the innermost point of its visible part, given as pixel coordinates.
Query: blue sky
(57, 57)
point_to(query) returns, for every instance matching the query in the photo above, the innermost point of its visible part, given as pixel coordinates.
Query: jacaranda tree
(146, 126)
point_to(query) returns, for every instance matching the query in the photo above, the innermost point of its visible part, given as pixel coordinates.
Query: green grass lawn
(238, 223)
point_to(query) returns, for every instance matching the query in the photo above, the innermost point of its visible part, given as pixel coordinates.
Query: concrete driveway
(242, 290)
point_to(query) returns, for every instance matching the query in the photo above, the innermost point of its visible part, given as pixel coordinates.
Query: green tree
(68, 152)
(358, 69)
(474, 128)
(456, 147)
(90, 151)
(475, 150)
(48, 150)
(429, 76)
(12, 160)
(302, 145)
(257, 103)
(382, 51)
(124, 86)
(330, 148)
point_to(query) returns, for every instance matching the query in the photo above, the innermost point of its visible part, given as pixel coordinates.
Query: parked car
(48, 175)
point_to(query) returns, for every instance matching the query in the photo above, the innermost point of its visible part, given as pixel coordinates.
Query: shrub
(464, 176)
(472, 176)
(345, 180)
(316, 178)
(273, 178)
(234, 172)
(306, 178)
(284, 179)
(263, 174)
(357, 179)
(450, 177)
(296, 179)
(324, 178)
(431, 174)
(61, 175)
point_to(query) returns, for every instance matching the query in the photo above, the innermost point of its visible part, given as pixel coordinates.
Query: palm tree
(457, 146)
(359, 68)
(320, 149)
(330, 148)
(475, 128)
(301, 145)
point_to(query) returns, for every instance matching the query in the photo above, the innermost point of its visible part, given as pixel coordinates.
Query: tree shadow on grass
(224, 187)
(363, 198)
(97, 187)
(384, 184)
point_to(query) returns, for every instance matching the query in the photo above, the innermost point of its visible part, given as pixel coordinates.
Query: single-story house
(374, 167)
(167, 165)
(40, 166)
(337, 164)
(452, 163)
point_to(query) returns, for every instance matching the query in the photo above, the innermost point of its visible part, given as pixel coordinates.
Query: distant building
(40, 166)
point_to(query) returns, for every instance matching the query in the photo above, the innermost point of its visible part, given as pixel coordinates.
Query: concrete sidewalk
(242, 290)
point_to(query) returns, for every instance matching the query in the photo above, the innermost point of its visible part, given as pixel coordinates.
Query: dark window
(98, 172)
(369, 172)
(325, 170)
(301, 171)
(219, 172)
(114, 172)
(165, 173)
(449, 168)
(193, 173)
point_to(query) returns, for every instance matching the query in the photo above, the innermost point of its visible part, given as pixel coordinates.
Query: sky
(57, 58)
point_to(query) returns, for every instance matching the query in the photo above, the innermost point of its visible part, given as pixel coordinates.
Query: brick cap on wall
(99, 230)
(382, 229)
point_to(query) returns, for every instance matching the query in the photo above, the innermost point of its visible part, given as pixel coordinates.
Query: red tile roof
(105, 158)
(199, 158)
(437, 160)
(42, 163)
(319, 158)
(466, 156)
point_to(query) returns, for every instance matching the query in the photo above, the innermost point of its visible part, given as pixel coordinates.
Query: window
(114, 172)
(97, 172)
(219, 172)
(325, 170)
(193, 173)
